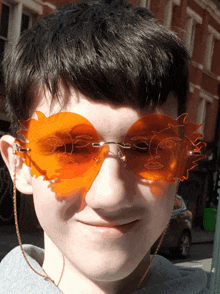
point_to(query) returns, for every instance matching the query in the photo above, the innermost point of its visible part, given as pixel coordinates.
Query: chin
(112, 267)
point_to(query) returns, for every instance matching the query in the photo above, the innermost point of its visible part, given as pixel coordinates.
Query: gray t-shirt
(165, 278)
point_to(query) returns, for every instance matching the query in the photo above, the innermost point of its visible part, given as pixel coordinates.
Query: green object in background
(209, 219)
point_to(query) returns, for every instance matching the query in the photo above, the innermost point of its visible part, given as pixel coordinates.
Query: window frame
(28, 13)
(210, 43)
(144, 3)
(168, 12)
(190, 29)
(205, 99)
(17, 8)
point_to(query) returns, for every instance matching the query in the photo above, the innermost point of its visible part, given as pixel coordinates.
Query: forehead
(105, 117)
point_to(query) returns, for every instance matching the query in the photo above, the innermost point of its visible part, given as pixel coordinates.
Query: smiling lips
(153, 165)
(111, 230)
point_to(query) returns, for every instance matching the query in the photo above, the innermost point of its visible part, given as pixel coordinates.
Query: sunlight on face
(121, 218)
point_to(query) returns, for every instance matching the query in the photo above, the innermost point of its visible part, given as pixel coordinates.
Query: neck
(70, 280)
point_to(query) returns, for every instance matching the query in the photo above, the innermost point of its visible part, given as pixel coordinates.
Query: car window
(177, 203)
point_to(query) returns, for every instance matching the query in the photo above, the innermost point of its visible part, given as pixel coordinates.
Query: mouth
(111, 230)
(153, 165)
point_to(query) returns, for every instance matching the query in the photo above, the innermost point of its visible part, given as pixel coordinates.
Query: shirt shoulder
(167, 278)
(17, 277)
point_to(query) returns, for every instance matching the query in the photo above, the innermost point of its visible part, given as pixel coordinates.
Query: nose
(110, 190)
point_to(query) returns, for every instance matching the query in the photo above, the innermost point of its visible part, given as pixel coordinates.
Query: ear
(23, 176)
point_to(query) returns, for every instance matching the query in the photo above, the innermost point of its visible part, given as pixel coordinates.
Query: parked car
(178, 236)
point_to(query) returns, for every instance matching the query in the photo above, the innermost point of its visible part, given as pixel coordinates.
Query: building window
(201, 114)
(204, 102)
(4, 21)
(190, 29)
(189, 36)
(148, 4)
(25, 20)
(213, 35)
(15, 19)
(208, 52)
(168, 12)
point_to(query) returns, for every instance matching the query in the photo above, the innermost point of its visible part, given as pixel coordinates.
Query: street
(200, 256)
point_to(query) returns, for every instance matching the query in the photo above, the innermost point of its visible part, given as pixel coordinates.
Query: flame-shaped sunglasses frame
(67, 150)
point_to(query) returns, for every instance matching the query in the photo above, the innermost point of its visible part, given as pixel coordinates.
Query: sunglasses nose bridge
(121, 156)
(120, 147)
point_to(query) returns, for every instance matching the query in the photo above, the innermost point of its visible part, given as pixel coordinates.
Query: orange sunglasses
(67, 150)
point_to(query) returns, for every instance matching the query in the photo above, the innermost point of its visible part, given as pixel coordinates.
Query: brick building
(17, 16)
(197, 22)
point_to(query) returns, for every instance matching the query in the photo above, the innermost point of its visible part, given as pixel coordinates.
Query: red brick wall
(179, 18)
(192, 105)
(209, 83)
(199, 44)
(157, 7)
(46, 10)
(206, 80)
(195, 7)
(214, 23)
(200, 38)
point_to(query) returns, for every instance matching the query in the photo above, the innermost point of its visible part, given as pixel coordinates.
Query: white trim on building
(143, 3)
(193, 14)
(207, 61)
(196, 64)
(17, 8)
(168, 12)
(51, 6)
(214, 32)
(205, 99)
(33, 5)
(192, 20)
(210, 42)
(211, 7)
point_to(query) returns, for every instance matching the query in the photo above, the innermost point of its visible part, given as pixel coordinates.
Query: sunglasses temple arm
(195, 152)
(17, 148)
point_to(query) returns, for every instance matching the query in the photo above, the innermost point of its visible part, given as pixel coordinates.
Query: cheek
(50, 211)
(159, 209)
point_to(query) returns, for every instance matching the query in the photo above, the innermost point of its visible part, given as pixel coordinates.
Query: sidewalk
(8, 238)
(202, 236)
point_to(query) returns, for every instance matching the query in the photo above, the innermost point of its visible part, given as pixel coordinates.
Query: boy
(92, 85)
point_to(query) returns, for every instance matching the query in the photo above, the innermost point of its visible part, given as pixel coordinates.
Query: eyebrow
(67, 136)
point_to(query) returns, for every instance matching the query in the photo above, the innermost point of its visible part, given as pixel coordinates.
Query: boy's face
(122, 217)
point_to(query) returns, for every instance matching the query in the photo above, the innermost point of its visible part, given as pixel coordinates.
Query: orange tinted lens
(160, 147)
(61, 148)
